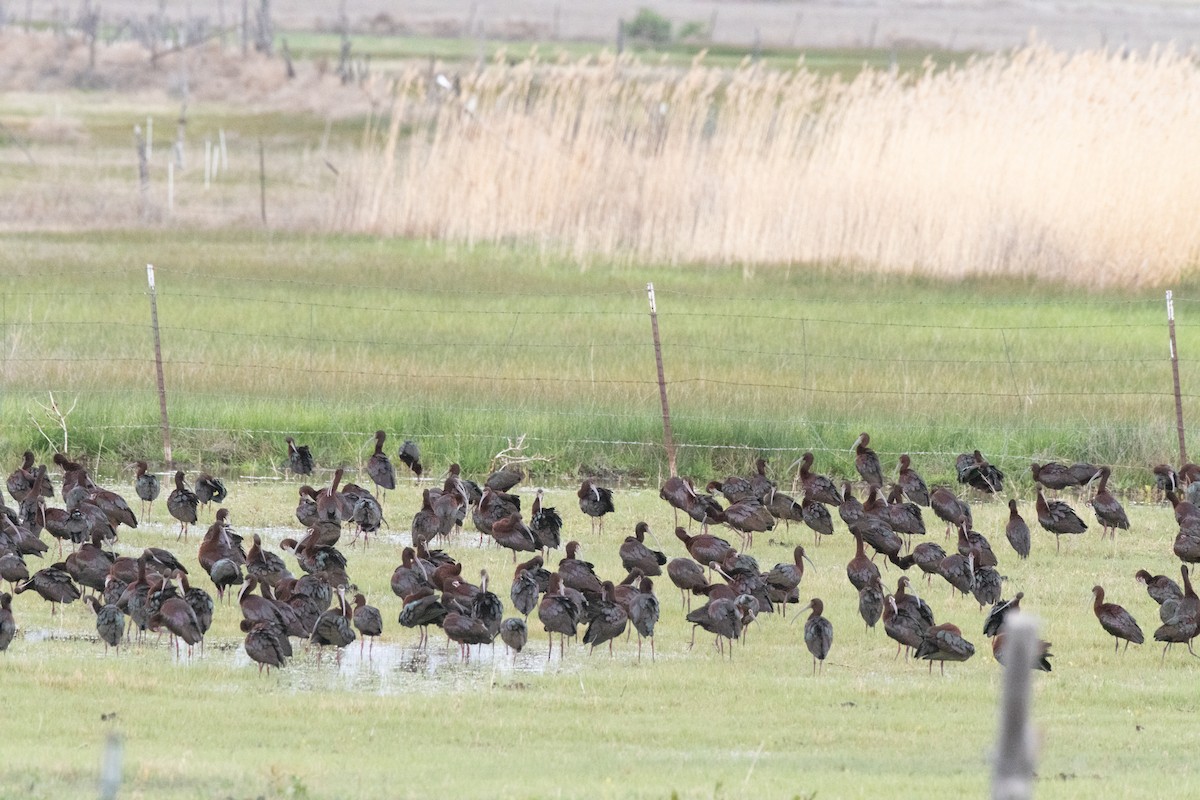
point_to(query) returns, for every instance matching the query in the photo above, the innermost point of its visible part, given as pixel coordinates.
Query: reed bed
(1075, 168)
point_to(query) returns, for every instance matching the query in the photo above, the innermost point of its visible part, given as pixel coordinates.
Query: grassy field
(467, 350)
(690, 724)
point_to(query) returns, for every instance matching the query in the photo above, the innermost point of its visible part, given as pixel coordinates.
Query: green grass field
(690, 724)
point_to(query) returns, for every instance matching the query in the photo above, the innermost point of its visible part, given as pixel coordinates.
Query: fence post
(1012, 777)
(668, 440)
(158, 367)
(139, 144)
(262, 182)
(110, 768)
(1175, 376)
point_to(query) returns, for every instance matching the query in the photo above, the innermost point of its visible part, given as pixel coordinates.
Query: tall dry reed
(1078, 167)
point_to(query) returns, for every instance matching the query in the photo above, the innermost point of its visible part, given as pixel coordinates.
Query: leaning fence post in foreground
(110, 768)
(1175, 374)
(1012, 777)
(668, 441)
(162, 389)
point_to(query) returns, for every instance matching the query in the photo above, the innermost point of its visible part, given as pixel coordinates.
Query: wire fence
(469, 369)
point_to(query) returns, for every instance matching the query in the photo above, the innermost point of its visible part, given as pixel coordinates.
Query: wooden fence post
(668, 439)
(1175, 375)
(158, 367)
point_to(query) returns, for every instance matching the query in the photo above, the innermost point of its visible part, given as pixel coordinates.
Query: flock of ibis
(153, 591)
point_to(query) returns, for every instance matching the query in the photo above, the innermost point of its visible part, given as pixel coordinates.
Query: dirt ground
(954, 24)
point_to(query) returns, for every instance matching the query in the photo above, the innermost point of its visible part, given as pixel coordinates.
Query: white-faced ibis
(264, 565)
(557, 614)
(422, 609)
(333, 626)
(514, 633)
(147, 487)
(76, 481)
(903, 628)
(577, 574)
(13, 568)
(784, 507)
(1058, 518)
(1041, 662)
(866, 462)
(1165, 478)
(113, 506)
(265, 644)
(220, 541)
(504, 478)
(545, 524)
(705, 548)
(379, 466)
(20, 539)
(870, 603)
(860, 570)
(110, 623)
(525, 588)
(721, 617)
(595, 501)
(54, 584)
(300, 458)
(904, 517)
(784, 578)
(974, 470)
(968, 540)
(8, 626)
(911, 483)
(1053, 475)
(635, 554)
(177, 617)
(210, 489)
(986, 588)
(1084, 473)
(182, 504)
(1109, 512)
(816, 516)
(734, 488)
(366, 512)
(877, 533)
(1162, 590)
(367, 620)
(850, 510)
(816, 486)
(513, 533)
(410, 576)
(927, 556)
(1184, 624)
(748, 517)
(944, 643)
(493, 506)
(20, 480)
(1017, 531)
(1116, 620)
(608, 619)
(949, 508)
(995, 618)
(818, 633)
(1184, 509)
(90, 564)
(486, 606)
(410, 456)
(959, 571)
(306, 506)
(199, 601)
(644, 610)
(687, 576)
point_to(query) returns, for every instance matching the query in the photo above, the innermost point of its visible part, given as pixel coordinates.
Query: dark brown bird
(113, 506)
(264, 565)
(182, 504)
(987, 586)
(870, 603)
(1058, 518)
(209, 489)
(177, 617)
(367, 620)
(8, 626)
(1041, 662)
(635, 554)
(578, 574)
(1184, 510)
(866, 462)
(905, 518)
(911, 483)
(818, 633)
(1165, 478)
(504, 478)
(877, 533)
(300, 458)
(379, 466)
(959, 571)
(608, 620)
(1083, 473)
(905, 629)
(220, 542)
(410, 456)
(1016, 531)
(688, 576)
(410, 576)
(513, 533)
(199, 601)
(1109, 512)
(748, 517)
(1116, 620)
(54, 585)
(90, 564)
(265, 644)
(995, 618)
(705, 548)
(927, 556)
(526, 588)
(644, 611)
(306, 506)
(944, 643)
(545, 524)
(734, 488)
(110, 623)
(422, 609)
(595, 501)
(1053, 475)
(557, 614)
(973, 469)
(968, 540)
(514, 633)
(493, 506)
(861, 571)
(784, 579)
(816, 486)
(851, 510)
(20, 480)
(1162, 590)
(13, 568)
(147, 487)
(333, 626)
(1184, 623)
(949, 508)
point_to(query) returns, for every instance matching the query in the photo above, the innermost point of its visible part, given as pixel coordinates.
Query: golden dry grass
(1077, 168)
